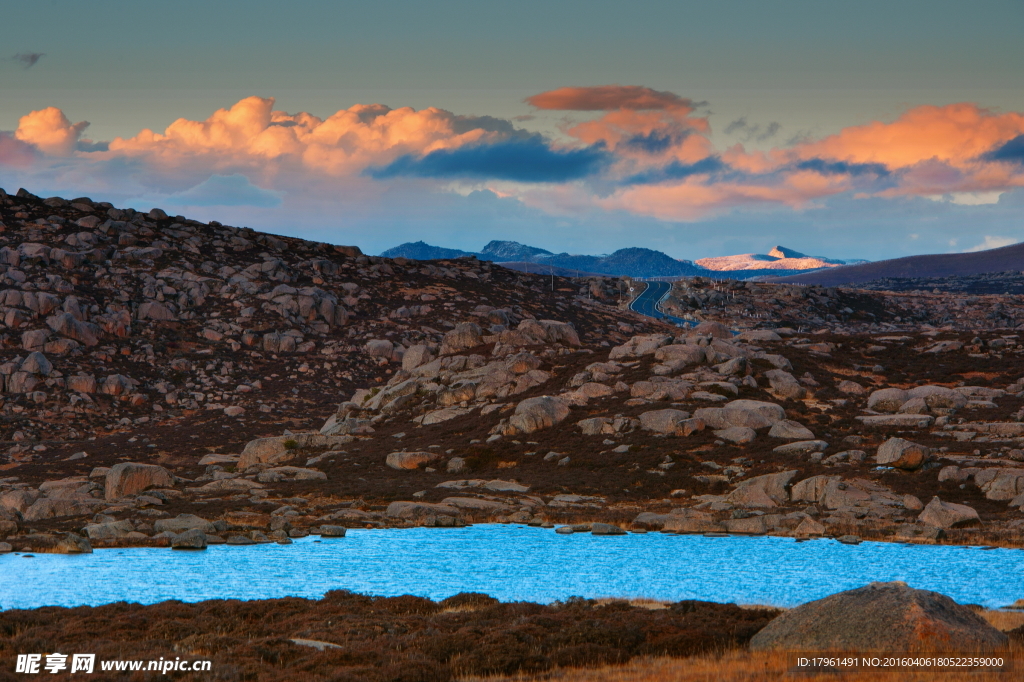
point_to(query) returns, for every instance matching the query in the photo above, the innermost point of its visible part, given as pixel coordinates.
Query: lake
(511, 563)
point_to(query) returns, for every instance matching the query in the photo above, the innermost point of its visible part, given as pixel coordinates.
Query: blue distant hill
(629, 262)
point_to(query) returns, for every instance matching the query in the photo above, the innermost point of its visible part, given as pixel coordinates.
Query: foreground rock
(880, 617)
(129, 478)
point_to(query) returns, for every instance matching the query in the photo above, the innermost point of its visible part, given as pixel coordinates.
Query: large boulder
(784, 385)
(379, 348)
(1000, 484)
(111, 530)
(880, 617)
(37, 363)
(465, 336)
(887, 399)
(9, 521)
(768, 490)
(939, 397)
(736, 434)
(411, 460)
(182, 523)
(679, 520)
(18, 500)
(418, 510)
(714, 329)
(50, 508)
(790, 430)
(190, 539)
(554, 331)
(902, 454)
(416, 356)
(279, 449)
(812, 489)
(948, 515)
(680, 354)
(532, 332)
(645, 344)
(753, 414)
(542, 412)
(130, 478)
(674, 422)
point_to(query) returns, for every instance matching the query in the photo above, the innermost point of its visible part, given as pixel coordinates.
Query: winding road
(647, 303)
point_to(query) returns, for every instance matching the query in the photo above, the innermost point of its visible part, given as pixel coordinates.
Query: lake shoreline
(511, 563)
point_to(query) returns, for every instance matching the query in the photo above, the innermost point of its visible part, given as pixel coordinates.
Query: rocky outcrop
(887, 618)
(753, 414)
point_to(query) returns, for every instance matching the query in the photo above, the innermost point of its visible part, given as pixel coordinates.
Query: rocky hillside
(930, 266)
(171, 381)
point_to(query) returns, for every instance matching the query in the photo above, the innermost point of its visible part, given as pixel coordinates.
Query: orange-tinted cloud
(50, 131)
(608, 98)
(251, 133)
(647, 152)
(956, 134)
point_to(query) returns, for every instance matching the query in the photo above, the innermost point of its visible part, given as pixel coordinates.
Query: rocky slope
(933, 265)
(167, 381)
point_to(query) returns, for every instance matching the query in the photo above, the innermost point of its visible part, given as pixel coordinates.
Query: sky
(849, 130)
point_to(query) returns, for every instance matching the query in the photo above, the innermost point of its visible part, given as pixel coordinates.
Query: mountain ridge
(927, 265)
(627, 262)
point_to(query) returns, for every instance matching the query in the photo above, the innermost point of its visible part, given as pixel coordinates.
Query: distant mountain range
(629, 262)
(779, 258)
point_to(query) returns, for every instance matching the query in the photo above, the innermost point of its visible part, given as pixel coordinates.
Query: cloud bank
(627, 149)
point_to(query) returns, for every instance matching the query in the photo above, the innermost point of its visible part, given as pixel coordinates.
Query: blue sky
(800, 125)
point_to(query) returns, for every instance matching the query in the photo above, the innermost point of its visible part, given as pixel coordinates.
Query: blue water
(511, 563)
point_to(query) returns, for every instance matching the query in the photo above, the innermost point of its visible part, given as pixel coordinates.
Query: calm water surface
(511, 563)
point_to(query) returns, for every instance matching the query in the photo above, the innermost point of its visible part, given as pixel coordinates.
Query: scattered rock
(902, 454)
(190, 539)
(948, 515)
(411, 460)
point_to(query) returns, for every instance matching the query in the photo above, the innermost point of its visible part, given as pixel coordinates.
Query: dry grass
(1003, 620)
(743, 666)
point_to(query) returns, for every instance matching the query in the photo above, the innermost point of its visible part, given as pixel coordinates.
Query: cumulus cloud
(645, 152)
(50, 131)
(991, 243)
(28, 59)
(608, 98)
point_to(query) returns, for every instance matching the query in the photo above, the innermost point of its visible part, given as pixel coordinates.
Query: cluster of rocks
(271, 387)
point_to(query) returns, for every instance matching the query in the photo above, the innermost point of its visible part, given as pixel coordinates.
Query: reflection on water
(511, 563)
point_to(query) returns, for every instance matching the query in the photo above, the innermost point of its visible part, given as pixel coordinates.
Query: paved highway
(647, 303)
